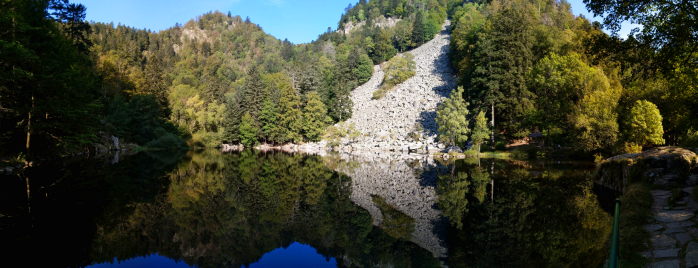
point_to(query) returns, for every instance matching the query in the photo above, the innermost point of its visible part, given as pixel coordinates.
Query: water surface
(208, 209)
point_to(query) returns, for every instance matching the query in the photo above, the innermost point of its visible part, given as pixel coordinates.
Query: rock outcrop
(380, 22)
(667, 166)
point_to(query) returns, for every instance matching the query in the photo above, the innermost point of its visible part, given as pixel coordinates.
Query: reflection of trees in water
(228, 210)
(67, 197)
(539, 218)
(455, 189)
(395, 223)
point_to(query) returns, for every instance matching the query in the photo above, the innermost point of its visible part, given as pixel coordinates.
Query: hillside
(403, 120)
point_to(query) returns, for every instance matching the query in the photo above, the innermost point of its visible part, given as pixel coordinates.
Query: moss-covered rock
(664, 166)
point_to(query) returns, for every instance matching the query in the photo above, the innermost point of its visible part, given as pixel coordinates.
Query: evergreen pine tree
(268, 119)
(315, 117)
(291, 116)
(419, 29)
(248, 99)
(503, 60)
(451, 117)
(480, 130)
(248, 130)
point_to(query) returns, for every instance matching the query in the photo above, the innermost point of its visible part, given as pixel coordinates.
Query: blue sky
(300, 21)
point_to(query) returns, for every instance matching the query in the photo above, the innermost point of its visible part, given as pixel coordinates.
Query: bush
(690, 139)
(334, 134)
(397, 70)
(632, 148)
(168, 141)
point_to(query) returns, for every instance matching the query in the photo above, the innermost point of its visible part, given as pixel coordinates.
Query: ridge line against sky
(299, 21)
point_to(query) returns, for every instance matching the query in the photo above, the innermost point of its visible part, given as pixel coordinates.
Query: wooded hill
(65, 84)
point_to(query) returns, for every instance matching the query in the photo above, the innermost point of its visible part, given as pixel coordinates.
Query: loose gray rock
(665, 264)
(662, 241)
(683, 238)
(691, 258)
(652, 227)
(681, 224)
(407, 112)
(673, 215)
(666, 253)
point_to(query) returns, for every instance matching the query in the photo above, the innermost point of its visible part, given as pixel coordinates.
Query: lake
(209, 209)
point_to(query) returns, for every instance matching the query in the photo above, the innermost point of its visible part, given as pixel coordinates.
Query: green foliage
(644, 126)
(315, 117)
(666, 26)
(502, 58)
(268, 118)
(138, 119)
(248, 130)
(419, 31)
(481, 132)
(334, 134)
(383, 48)
(529, 63)
(451, 117)
(291, 116)
(49, 89)
(576, 102)
(397, 70)
(468, 23)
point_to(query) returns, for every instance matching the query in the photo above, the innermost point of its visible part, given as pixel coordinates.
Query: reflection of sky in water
(147, 261)
(295, 255)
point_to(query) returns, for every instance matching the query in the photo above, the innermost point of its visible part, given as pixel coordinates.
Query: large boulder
(666, 166)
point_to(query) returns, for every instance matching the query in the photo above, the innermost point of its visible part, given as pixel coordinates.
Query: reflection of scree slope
(398, 183)
(388, 121)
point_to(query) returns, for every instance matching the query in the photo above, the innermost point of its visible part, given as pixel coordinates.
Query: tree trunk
(29, 125)
(492, 123)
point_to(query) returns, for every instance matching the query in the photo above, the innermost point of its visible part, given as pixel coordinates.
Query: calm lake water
(208, 209)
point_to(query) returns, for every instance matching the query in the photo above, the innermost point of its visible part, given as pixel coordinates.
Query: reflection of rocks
(398, 182)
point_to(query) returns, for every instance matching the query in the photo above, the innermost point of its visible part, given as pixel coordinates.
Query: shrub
(632, 148)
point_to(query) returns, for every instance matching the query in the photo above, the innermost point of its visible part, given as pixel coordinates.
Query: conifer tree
(502, 61)
(248, 130)
(291, 116)
(315, 117)
(451, 117)
(480, 130)
(419, 29)
(268, 119)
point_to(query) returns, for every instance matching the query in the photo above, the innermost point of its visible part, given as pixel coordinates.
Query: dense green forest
(526, 66)
(218, 69)
(535, 67)
(194, 81)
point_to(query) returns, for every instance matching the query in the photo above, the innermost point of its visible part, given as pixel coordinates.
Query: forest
(534, 67)
(523, 66)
